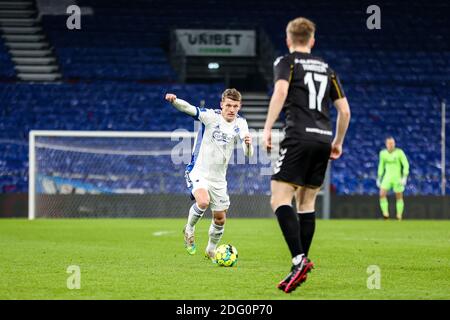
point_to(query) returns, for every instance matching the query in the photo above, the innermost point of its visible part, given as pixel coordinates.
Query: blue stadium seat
(391, 76)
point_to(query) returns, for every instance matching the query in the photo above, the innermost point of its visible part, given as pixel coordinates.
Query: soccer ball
(226, 255)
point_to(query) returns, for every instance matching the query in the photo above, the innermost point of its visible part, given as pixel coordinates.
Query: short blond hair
(300, 30)
(232, 94)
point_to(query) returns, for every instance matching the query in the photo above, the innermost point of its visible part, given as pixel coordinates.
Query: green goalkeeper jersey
(393, 165)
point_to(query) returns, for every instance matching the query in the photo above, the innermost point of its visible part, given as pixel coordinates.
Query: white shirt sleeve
(185, 107)
(206, 116)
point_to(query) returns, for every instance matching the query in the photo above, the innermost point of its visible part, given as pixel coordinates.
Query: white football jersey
(214, 144)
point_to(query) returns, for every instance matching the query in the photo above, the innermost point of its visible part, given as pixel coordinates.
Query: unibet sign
(217, 42)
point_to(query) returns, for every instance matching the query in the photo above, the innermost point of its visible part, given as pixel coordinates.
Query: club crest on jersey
(221, 137)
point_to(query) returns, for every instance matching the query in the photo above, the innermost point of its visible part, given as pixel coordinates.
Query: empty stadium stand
(116, 70)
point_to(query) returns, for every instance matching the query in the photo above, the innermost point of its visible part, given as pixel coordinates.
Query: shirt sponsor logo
(312, 65)
(221, 137)
(319, 131)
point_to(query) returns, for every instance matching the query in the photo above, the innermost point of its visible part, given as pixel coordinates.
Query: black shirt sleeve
(282, 69)
(336, 92)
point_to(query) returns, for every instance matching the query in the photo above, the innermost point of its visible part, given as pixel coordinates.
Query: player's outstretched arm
(181, 105)
(342, 122)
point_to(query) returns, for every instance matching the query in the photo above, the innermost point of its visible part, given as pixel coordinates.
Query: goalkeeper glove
(404, 179)
(378, 182)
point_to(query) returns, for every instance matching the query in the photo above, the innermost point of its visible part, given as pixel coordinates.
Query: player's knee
(220, 220)
(203, 203)
(306, 207)
(274, 202)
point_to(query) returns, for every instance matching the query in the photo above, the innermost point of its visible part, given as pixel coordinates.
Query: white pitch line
(162, 233)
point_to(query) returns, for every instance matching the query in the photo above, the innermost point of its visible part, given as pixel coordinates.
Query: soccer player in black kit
(304, 86)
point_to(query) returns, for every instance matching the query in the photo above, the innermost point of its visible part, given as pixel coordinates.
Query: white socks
(215, 231)
(215, 234)
(195, 214)
(297, 259)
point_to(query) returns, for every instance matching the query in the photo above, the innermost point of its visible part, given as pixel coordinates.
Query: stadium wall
(367, 207)
(13, 205)
(165, 205)
(245, 206)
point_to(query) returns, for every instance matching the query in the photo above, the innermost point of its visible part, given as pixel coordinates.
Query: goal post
(94, 174)
(31, 176)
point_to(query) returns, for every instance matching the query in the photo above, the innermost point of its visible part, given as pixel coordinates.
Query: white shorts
(218, 195)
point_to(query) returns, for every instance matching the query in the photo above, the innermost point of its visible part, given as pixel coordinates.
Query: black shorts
(302, 163)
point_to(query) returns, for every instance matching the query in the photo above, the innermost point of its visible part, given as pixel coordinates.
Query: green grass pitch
(145, 259)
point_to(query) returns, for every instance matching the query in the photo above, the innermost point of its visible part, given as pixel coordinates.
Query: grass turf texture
(145, 259)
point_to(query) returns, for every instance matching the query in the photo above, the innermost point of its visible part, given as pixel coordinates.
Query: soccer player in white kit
(206, 174)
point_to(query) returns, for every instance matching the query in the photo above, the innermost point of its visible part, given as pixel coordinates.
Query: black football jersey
(312, 86)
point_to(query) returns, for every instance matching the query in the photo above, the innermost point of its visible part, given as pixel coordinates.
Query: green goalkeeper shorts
(392, 183)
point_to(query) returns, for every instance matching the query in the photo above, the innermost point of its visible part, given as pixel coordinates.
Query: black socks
(307, 223)
(289, 224)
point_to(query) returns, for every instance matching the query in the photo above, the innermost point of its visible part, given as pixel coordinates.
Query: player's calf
(195, 214)
(215, 234)
(216, 230)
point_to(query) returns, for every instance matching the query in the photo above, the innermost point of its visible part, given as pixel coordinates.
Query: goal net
(97, 174)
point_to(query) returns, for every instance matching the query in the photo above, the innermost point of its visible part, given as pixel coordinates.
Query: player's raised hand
(171, 97)
(248, 139)
(267, 138)
(336, 151)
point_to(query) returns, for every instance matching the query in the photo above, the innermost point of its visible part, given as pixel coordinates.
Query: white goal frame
(325, 192)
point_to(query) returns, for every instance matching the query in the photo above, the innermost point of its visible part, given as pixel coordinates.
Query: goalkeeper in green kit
(393, 170)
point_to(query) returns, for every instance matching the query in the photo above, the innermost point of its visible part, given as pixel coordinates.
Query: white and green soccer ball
(226, 255)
